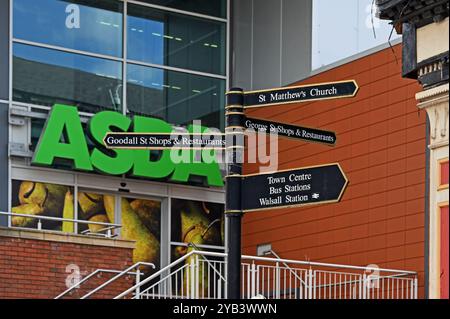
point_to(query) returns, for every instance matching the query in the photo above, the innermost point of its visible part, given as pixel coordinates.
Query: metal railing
(119, 274)
(202, 275)
(183, 279)
(97, 272)
(292, 279)
(108, 231)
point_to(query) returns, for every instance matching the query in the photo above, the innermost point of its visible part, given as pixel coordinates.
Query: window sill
(65, 238)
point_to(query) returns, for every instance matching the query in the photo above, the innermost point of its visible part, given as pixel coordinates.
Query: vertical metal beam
(4, 50)
(4, 95)
(4, 178)
(233, 206)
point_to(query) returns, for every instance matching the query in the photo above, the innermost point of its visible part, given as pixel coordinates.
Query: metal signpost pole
(234, 130)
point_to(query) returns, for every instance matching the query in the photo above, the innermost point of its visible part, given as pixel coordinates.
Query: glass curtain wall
(164, 59)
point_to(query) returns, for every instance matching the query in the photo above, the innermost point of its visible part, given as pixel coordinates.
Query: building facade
(95, 65)
(70, 71)
(424, 25)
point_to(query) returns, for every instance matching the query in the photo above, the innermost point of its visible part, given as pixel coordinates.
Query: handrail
(265, 259)
(170, 274)
(176, 262)
(160, 281)
(311, 263)
(108, 226)
(87, 278)
(117, 277)
(290, 269)
(209, 263)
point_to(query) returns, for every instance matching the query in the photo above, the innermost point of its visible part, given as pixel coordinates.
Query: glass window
(42, 199)
(217, 8)
(97, 208)
(45, 77)
(199, 223)
(94, 26)
(141, 222)
(178, 98)
(344, 28)
(176, 40)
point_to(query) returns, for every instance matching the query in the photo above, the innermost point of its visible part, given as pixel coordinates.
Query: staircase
(202, 275)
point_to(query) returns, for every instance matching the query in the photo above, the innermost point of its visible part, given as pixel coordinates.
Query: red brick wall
(37, 268)
(381, 148)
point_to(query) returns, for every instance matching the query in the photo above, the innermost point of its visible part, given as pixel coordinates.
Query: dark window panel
(93, 26)
(4, 49)
(176, 97)
(45, 77)
(176, 40)
(191, 218)
(216, 8)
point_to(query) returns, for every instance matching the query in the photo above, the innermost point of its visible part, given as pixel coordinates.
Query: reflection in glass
(141, 222)
(96, 208)
(93, 26)
(211, 274)
(45, 77)
(198, 223)
(42, 199)
(176, 40)
(216, 8)
(179, 98)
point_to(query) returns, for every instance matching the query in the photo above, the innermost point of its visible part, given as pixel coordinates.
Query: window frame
(124, 59)
(19, 167)
(161, 192)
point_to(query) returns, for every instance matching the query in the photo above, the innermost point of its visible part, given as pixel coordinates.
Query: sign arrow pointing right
(303, 93)
(293, 188)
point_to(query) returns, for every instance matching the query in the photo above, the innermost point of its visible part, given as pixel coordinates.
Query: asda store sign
(63, 137)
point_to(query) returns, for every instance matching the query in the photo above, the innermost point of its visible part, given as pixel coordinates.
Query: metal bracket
(19, 149)
(23, 113)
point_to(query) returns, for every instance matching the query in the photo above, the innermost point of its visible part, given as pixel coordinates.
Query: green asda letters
(63, 137)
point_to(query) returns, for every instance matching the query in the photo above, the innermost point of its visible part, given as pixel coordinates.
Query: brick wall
(381, 148)
(37, 268)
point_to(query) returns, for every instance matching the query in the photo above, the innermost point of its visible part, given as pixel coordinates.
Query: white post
(196, 281)
(364, 286)
(138, 287)
(310, 282)
(416, 283)
(314, 287)
(253, 280)
(360, 296)
(192, 279)
(277, 281)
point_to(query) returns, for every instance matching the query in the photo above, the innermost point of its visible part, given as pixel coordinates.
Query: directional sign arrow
(291, 131)
(303, 93)
(293, 188)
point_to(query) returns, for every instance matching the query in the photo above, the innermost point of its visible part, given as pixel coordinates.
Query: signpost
(293, 188)
(289, 188)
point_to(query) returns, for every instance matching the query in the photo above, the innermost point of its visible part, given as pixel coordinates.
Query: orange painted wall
(381, 145)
